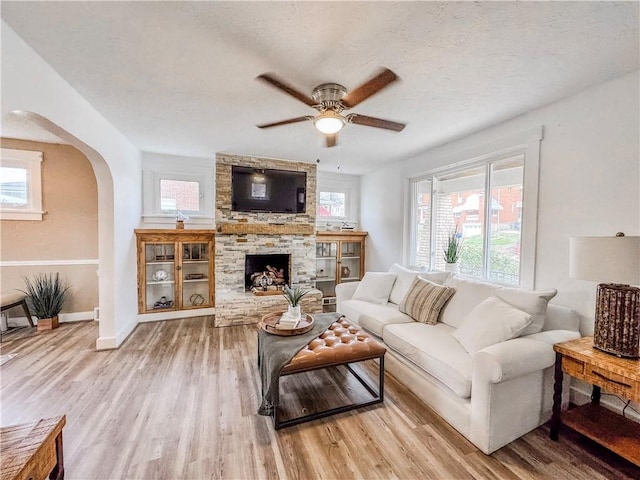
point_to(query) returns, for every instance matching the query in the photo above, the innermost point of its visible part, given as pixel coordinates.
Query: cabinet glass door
(350, 262)
(160, 287)
(195, 275)
(326, 265)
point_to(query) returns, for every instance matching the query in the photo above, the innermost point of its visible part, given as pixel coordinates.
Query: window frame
(152, 203)
(31, 161)
(528, 144)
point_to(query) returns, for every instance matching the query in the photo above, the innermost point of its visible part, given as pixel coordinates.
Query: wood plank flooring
(178, 401)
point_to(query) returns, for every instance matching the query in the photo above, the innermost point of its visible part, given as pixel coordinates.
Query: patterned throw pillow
(424, 300)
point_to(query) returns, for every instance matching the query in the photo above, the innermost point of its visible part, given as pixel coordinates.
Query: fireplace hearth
(269, 272)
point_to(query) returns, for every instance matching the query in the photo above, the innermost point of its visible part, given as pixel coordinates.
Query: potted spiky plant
(294, 297)
(47, 293)
(452, 251)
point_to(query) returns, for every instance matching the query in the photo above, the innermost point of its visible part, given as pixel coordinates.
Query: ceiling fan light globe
(329, 123)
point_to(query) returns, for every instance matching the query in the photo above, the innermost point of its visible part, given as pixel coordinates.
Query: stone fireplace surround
(247, 233)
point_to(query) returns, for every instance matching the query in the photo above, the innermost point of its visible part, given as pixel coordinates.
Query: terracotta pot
(180, 224)
(47, 323)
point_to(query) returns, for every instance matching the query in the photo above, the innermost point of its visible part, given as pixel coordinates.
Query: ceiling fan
(331, 99)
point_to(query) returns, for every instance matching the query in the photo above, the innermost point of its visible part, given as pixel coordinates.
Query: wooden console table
(32, 450)
(620, 376)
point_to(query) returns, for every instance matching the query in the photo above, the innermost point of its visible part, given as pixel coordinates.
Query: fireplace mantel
(240, 228)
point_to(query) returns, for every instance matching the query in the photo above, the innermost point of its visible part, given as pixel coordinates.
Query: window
(456, 199)
(179, 195)
(332, 205)
(166, 191)
(20, 185)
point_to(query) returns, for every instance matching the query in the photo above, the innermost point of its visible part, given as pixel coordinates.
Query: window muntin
(491, 230)
(20, 185)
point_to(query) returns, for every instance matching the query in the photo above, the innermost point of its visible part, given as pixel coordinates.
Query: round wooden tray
(270, 320)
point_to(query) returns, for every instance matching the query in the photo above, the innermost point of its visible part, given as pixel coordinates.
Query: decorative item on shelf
(294, 297)
(345, 272)
(617, 317)
(180, 218)
(452, 251)
(196, 299)
(160, 276)
(47, 294)
(195, 276)
(163, 303)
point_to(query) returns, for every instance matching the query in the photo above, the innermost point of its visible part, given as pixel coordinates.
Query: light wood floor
(179, 400)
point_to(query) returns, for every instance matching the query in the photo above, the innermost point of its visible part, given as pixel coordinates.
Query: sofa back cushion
(375, 287)
(469, 294)
(534, 302)
(424, 300)
(492, 321)
(405, 277)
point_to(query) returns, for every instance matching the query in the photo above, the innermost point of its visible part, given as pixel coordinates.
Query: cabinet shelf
(347, 251)
(173, 251)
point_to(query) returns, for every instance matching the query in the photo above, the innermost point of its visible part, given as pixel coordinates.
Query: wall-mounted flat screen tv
(267, 190)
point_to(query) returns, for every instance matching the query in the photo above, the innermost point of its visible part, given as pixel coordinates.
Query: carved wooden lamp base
(617, 322)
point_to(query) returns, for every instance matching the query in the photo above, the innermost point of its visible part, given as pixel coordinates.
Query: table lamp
(616, 260)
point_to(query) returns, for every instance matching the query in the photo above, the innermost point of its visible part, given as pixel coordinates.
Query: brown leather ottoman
(343, 343)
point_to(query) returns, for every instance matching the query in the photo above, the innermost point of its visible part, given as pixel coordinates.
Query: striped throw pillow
(424, 300)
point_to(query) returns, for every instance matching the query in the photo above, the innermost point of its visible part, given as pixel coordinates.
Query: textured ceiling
(179, 77)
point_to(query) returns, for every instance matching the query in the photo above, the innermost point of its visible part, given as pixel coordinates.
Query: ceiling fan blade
(371, 87)
(285, 122)
(272, 80)
(375, 122)
(331, 140)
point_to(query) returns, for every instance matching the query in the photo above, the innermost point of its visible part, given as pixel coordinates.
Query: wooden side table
(32, 450)
(617, 375)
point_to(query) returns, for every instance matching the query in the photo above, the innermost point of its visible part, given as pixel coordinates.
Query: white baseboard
(581, 394)
(173, 315)
(62, 318)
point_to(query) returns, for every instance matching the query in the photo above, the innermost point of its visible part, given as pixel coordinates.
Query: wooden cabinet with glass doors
(175, 269)
(339, 258)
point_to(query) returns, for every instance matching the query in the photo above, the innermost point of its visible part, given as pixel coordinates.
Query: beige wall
(68, 232)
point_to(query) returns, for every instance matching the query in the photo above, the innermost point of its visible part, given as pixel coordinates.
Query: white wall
(589, 183)
(30, 85)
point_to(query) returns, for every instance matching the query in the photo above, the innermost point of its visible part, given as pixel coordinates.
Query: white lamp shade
(605, 259)
(329, 122)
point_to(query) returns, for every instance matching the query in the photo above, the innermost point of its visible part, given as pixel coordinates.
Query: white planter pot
(452, 267)
(294, 312)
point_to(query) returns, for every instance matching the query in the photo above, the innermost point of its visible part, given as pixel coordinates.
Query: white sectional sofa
(491, 396)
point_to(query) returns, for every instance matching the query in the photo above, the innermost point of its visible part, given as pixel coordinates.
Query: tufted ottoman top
(343, 342)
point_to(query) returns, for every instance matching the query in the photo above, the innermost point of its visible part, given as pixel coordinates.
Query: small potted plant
(452, 251)
(180, 218)
(47, 293)
(294, 297)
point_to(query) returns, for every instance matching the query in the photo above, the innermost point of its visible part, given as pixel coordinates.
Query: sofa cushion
(373, 317)
(375, 287)
(405, 277)
(491, 322)
(433, 349)
(424, 300)
(469, 294)
(534, 302)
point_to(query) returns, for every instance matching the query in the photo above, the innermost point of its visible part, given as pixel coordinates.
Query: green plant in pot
(453, 250)
(294, 297)
(47, 293)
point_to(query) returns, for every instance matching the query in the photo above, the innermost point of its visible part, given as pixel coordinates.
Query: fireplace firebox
(269, 272)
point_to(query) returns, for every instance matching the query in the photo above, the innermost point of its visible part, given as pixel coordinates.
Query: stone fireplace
(251, 235)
